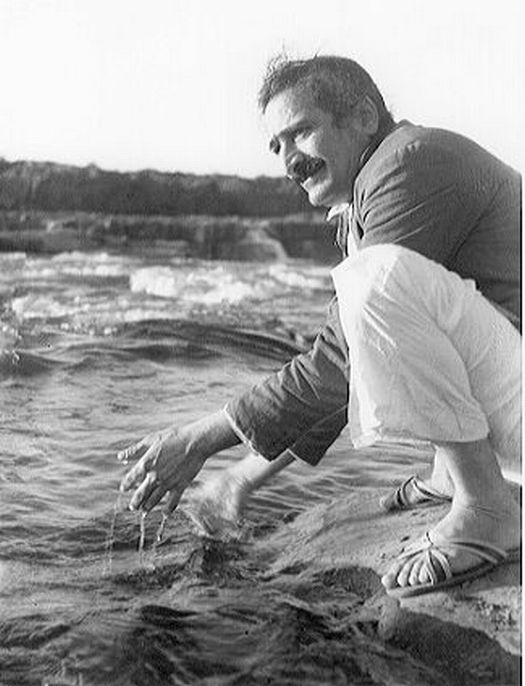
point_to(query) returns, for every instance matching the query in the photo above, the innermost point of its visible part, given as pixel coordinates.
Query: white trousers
(431, 359)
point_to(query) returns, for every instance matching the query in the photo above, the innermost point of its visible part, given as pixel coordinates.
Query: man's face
(321, 157)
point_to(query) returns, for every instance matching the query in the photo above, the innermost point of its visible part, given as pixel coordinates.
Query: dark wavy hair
(336, 85)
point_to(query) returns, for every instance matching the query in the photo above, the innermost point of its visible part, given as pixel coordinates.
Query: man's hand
(165, 466)
(216, 504)
(170, 460)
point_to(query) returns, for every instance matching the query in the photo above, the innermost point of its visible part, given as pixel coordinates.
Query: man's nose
(293, 164)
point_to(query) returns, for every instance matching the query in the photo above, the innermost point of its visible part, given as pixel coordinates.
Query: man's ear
(366, 116)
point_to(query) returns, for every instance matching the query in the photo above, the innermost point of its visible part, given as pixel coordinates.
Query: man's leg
(432, 359)
(483, 510)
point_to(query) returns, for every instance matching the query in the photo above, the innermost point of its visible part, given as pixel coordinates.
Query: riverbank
(469, 634)
(306, 236)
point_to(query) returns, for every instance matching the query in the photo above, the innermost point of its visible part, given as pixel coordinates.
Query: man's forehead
(288, 107)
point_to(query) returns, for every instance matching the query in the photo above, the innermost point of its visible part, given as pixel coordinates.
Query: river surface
(96, 350)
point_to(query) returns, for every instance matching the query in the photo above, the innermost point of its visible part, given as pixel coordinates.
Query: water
(96, 351)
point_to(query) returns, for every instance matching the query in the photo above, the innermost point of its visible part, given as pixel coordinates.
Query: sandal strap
(437, 566)
(400, 494)
(403, 500)
(435, 559)
(482, 549)
(428, 492)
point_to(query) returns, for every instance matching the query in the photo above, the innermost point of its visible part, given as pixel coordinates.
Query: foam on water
(210, 285)
(93, 264)
(76, 265)
(95, 293)
(297, 279)
(161, 281)
(206, 287)
(9, 336)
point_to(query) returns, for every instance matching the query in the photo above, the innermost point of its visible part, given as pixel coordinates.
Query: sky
(172, 84)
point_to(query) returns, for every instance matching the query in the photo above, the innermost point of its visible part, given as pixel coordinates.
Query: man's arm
(301, 408)
(171, 459)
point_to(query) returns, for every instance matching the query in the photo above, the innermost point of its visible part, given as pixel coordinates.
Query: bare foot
(496, 524)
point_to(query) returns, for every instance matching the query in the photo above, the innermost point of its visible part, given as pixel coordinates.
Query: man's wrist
(209, 435)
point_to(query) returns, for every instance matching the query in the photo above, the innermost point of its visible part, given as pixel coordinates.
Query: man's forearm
(312, 389)
(209, 435)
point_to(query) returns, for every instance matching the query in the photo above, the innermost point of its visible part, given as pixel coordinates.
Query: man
(410, 350)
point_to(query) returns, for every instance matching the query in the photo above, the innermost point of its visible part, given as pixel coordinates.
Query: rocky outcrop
(469, 634)
(205, 237)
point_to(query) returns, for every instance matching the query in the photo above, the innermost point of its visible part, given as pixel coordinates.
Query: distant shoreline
(48, 208)
(51, 187)
(305, 236)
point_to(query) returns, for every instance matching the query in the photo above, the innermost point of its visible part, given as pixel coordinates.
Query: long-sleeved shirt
(429, 190)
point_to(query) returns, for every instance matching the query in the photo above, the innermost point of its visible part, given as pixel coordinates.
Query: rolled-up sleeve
(301, 408)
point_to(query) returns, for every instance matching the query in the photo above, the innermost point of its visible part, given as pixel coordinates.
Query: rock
(271, 239)
(256, 246)
(466, 632)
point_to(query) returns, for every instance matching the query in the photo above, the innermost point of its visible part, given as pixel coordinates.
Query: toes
(424, 575)
(389, 580)
(404, 574)
(408, 572)
(416, 572)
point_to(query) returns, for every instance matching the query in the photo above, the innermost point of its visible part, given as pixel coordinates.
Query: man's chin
(316, 202)
(318, 198)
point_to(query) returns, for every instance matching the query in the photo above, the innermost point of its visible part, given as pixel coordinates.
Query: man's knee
(379, 272)
(388, 280)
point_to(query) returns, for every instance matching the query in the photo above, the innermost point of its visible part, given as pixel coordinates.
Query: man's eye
(302, 132)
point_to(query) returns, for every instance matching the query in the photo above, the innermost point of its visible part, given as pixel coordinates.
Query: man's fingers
(154, 498)
(140, 470)
(130, 451)
(133, 477)
(144, 491)
(145, 443)
(173, 501)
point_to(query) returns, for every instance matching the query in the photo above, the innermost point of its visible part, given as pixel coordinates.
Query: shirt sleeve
(301, 408)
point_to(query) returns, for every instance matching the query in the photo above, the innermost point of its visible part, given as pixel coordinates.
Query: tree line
(53, 187)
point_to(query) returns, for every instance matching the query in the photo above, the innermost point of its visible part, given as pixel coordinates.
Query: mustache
(303, 168)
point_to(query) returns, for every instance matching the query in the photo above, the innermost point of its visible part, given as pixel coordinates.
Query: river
(97, 349)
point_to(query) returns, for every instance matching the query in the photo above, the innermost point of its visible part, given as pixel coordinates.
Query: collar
(337, 211)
